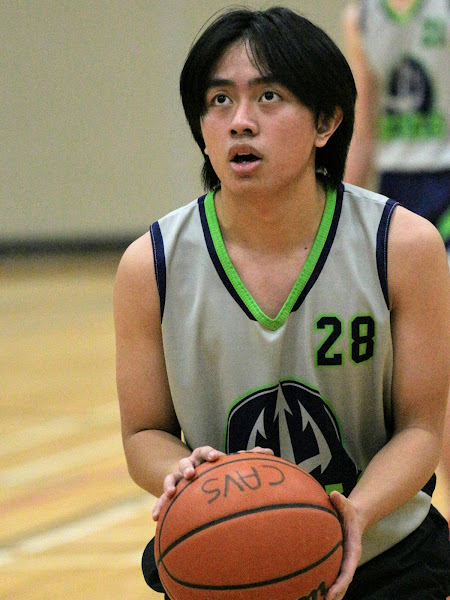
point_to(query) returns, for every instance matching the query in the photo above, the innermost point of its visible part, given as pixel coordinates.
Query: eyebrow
(220, 82)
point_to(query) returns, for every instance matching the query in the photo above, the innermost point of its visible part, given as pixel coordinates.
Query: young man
(286, 312)
(399, 54)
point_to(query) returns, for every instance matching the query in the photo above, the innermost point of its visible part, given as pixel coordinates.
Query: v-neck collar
(401, 18)
(306, 278)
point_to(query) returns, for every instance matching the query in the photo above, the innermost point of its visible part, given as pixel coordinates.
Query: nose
(244, 120)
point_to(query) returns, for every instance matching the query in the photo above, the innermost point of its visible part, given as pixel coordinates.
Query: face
(257, 134)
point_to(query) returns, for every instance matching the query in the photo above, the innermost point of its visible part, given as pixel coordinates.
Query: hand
(352, 545)
(186, 469)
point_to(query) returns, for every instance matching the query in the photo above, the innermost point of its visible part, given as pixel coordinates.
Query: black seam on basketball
(237, 515)
(246, 586)
(239, 458)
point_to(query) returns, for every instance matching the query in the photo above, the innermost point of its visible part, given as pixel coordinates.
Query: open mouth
(244, 158)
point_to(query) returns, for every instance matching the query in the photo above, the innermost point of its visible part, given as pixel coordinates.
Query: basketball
(248, 527)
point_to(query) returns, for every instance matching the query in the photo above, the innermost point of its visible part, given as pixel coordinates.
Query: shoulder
(137, 258)
(135, 288)
(414, 236)
(417, 260)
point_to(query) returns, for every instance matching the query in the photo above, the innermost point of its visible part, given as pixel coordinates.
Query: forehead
(238, 59)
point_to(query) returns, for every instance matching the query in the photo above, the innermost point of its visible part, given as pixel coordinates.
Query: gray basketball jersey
(314, 383)
(409, 53)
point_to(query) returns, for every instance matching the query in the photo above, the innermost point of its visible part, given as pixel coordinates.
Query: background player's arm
(419, 288)
(150, 430)
(360, 160)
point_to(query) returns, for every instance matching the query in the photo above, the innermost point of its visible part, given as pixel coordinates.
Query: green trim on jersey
(303, 278)
(402, 17)
(443, 225)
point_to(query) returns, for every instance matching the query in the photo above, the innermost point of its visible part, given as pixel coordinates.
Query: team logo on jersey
(410, 111)
(294, 421)
(410, 88)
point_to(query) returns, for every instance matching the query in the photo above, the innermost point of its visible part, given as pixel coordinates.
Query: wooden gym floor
(73, 524)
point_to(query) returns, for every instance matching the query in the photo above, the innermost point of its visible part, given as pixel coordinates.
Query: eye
(220, 100)
(270, 96)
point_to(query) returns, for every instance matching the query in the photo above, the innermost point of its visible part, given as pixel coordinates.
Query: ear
(325, 129)
(205, 151)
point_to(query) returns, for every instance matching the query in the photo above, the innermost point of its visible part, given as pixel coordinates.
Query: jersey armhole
(382, 247)
(159, 261)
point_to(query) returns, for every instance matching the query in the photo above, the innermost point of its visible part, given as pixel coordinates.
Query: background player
(399, 54)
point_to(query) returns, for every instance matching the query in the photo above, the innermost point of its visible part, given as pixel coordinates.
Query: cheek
(297, 132)
(209, 124)
(209, 133)
(296, 142)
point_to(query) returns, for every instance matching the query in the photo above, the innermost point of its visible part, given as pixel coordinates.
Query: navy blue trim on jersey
(216, 261)
(325, 250)
(382, 247)
(159, 260)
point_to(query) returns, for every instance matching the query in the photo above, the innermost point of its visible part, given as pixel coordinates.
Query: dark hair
(298, 54)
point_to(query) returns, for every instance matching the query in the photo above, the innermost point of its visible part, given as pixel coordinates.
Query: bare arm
(419, 286)
(157, 458)
(360, 161)
(150, 430)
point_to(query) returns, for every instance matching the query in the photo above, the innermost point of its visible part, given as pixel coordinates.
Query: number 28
(362, 340)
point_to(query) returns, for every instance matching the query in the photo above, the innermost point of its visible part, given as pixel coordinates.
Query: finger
(200, 455)
(339, 502)
(339, 587)
(205, 453)
(261, 450)
(187, 466)
(352, 546)
(170, 488)
(156, 511)
(158, 506)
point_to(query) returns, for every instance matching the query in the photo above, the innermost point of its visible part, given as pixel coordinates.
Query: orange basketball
(248, 527)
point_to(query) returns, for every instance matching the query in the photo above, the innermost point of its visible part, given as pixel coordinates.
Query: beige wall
(94, 142)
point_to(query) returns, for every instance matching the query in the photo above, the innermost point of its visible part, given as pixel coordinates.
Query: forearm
(396, 474)
(151, 455)
(360, 163)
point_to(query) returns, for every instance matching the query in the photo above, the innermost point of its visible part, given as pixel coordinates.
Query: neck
(401, 6)
(279, 222)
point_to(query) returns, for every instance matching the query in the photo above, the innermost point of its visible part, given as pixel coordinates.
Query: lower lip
(245, 168)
